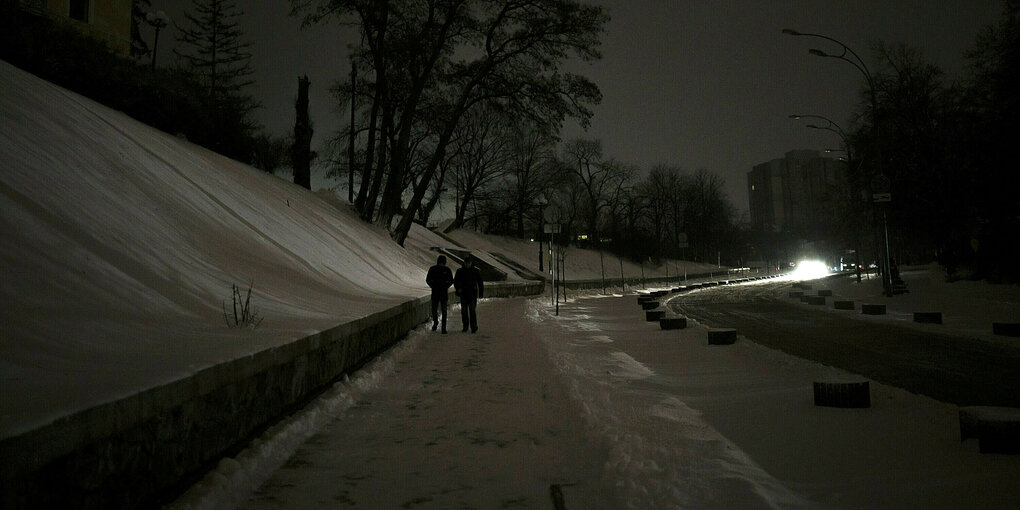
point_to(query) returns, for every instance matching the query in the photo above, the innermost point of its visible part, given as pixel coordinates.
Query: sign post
(682, 238)
(880, 186)
(553, 229)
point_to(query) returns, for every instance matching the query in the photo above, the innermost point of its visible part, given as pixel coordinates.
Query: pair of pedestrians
(467, 284)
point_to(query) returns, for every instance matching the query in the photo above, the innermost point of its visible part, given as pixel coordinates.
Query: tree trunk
(373, 194)
(301, 152)
(366, 175)
(350, 144)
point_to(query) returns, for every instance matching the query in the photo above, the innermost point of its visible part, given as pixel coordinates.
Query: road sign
(881, 197)
(552, 228)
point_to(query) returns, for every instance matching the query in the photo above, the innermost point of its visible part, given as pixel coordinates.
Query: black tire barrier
(796, 294)
(872, 309)
(649, 305)
(1006, 328)
(815, 300)
(722, 336)
(843, 394)
(644, 299)
(654, 315)
(825, 293)
(928, 317)
(843, 305)
(996, 428)
(799, 285)
(673, 322)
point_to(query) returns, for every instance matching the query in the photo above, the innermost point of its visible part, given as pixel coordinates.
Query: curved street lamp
(858, 63)
(832, 126)
(158, 20)
(835, 128)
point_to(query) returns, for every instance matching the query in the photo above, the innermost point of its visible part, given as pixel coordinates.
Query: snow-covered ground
(121, 244)
(672, 421)
(968, 308)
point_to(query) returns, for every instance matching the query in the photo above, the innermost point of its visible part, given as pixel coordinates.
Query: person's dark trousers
(439, 304)
(468, 315)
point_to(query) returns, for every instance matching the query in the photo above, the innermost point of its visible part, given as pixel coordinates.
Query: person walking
(468, 285)
(439, 280)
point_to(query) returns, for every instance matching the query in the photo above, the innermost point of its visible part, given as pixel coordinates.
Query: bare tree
(481, 151)
(461, 53)
(531, 170)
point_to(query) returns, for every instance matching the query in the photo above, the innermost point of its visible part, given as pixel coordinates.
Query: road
(951, 368)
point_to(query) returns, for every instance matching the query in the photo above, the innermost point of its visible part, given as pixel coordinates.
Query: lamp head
(790, 31)
(818, 53)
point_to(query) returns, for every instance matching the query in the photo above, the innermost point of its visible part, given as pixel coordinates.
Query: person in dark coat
(468, 285)
(439, 280)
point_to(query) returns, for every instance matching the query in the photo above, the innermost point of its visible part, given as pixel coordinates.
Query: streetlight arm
(859, 64)
(838, 130)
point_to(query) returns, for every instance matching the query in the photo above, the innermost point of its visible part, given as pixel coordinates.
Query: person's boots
(434, 324)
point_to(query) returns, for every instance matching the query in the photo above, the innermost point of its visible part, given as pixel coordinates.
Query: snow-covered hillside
(121, 243)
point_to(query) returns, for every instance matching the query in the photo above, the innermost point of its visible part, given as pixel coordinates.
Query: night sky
(697, 84)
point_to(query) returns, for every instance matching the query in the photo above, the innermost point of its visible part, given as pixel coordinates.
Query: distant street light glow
(810, 270)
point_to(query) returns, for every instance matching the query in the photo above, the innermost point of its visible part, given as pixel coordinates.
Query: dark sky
(694, 83)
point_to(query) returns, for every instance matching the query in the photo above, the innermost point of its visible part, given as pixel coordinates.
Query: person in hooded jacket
(439, 279)
(468, 285)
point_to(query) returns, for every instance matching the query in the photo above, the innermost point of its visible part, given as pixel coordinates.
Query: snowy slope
(121, 243)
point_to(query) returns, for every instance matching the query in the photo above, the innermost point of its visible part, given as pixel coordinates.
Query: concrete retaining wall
(145, 448)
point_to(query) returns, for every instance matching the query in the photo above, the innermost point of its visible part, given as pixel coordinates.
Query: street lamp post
(158, 20)
(832, 126)
(858, 63)
(541, 202)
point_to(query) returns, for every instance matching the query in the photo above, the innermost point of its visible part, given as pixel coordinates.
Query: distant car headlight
(809, 270)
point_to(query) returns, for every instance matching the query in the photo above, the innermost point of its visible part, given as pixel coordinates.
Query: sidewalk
(465, 421)
(609, 411)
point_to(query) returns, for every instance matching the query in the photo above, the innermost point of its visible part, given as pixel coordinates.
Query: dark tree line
(946, 149)
(604, 204)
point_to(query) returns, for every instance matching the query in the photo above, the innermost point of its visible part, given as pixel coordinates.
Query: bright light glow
(809, 270)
